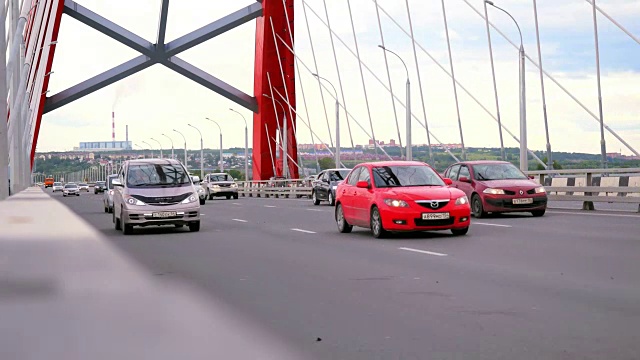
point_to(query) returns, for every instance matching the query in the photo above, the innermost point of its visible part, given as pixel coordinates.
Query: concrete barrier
(66, 293)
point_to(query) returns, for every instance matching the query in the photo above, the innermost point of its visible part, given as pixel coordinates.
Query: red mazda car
(399, 196)
(497, 187)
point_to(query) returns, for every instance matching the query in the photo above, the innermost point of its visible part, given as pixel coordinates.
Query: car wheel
(538, 213)
(332, 201)
(314, 198)
(127, 229)
(377, 229)
(228, 197)
(343, 226)
(110, 209)
(210, 196)
(460, 232)
(235, 196)
(116, 221)
(195, 226)
(106, 209)
(202, 201)
(476, 207)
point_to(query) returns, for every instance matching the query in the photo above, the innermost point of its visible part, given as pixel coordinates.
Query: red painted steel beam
(266, 62)
(52, 20)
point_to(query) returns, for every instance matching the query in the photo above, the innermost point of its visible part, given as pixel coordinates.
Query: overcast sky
(157, 100)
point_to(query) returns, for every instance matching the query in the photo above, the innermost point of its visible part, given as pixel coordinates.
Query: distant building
(104, 146)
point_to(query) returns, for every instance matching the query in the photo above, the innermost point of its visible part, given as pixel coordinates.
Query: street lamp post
(221, 158)
(201, 152)
(409, 150)
(186, 164)
(246, 146)
(337, 154)
(285, 163)
(150, 147)
(170, 139)
(161, 155)
(524, 155)
(495, 86)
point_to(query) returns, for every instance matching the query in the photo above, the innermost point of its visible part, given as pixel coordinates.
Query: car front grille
(429, 204)
(163, 200)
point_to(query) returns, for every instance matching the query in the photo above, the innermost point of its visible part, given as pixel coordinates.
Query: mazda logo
(434, 204)
(521, 192)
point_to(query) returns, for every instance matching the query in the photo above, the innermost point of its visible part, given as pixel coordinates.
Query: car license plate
(523, 201)
(164, 214)
(435, 216)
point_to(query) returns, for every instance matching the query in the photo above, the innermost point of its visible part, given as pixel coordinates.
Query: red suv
(400, 196)
(497, 187)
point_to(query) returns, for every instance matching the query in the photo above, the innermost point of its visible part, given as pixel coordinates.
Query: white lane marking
(498, 225)
(423, 251)
(581, 213)
(235, 203)
(269, 206)
(239, 220)
(304, 231)
(319, 210)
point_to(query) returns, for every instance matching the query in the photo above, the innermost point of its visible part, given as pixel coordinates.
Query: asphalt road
(564, 286)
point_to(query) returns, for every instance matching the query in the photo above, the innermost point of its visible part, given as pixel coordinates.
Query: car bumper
(71, 192)
(502, 203)
(223, 191)
(410, 219)
(186, 214)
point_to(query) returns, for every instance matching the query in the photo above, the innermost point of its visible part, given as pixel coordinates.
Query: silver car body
(145, 203)
(57, 186)
(199, 187)
(83, 187)
(107, 198)
(220, 184)
(71, 189)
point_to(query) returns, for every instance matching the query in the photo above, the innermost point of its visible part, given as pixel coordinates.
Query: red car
(400, 196)
(497, 187)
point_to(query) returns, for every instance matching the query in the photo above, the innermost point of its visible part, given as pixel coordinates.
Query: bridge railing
(286, 188)
(591, 185)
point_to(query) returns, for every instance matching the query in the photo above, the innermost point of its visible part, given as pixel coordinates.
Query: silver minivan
(152, 192)
(107, 197)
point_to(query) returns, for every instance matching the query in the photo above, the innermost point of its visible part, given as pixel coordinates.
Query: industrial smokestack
(113, 127)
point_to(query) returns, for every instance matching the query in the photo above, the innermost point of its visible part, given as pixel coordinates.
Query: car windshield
(497, 172)
(70, 186)
(339, 175)
(83, 184)
(141, 175)
(403, 175)
(99, 182)
(57, 184)
(220, 177)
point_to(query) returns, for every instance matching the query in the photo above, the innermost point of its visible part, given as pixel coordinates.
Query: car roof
(393, 163)
(478, 162)
(112, 176)
(153, 161)
(337, 169)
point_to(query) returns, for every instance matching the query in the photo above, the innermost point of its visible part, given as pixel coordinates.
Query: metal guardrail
(275, 188)
(620, 185)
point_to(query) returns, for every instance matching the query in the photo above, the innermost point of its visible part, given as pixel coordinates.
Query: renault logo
(434, 204)
(521, 192)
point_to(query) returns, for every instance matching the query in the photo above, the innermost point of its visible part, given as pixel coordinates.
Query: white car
(71, 189)
(57, 186)
(199, 187)
(83, 187)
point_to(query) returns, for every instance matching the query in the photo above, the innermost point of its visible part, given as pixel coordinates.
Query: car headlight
(334, 187)
(215, 186)
(462, 200)
(133, 201)
(493, 191)
(396, 203)
(110, 192)
(234, 185)
(190, 199)
(200, 190)
(540, 190)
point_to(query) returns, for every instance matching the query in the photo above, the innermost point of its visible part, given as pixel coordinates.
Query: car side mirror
(464, 179)
(532, 177)
(116, 182)
(195, 179)
(448, 181)
(362, 184)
